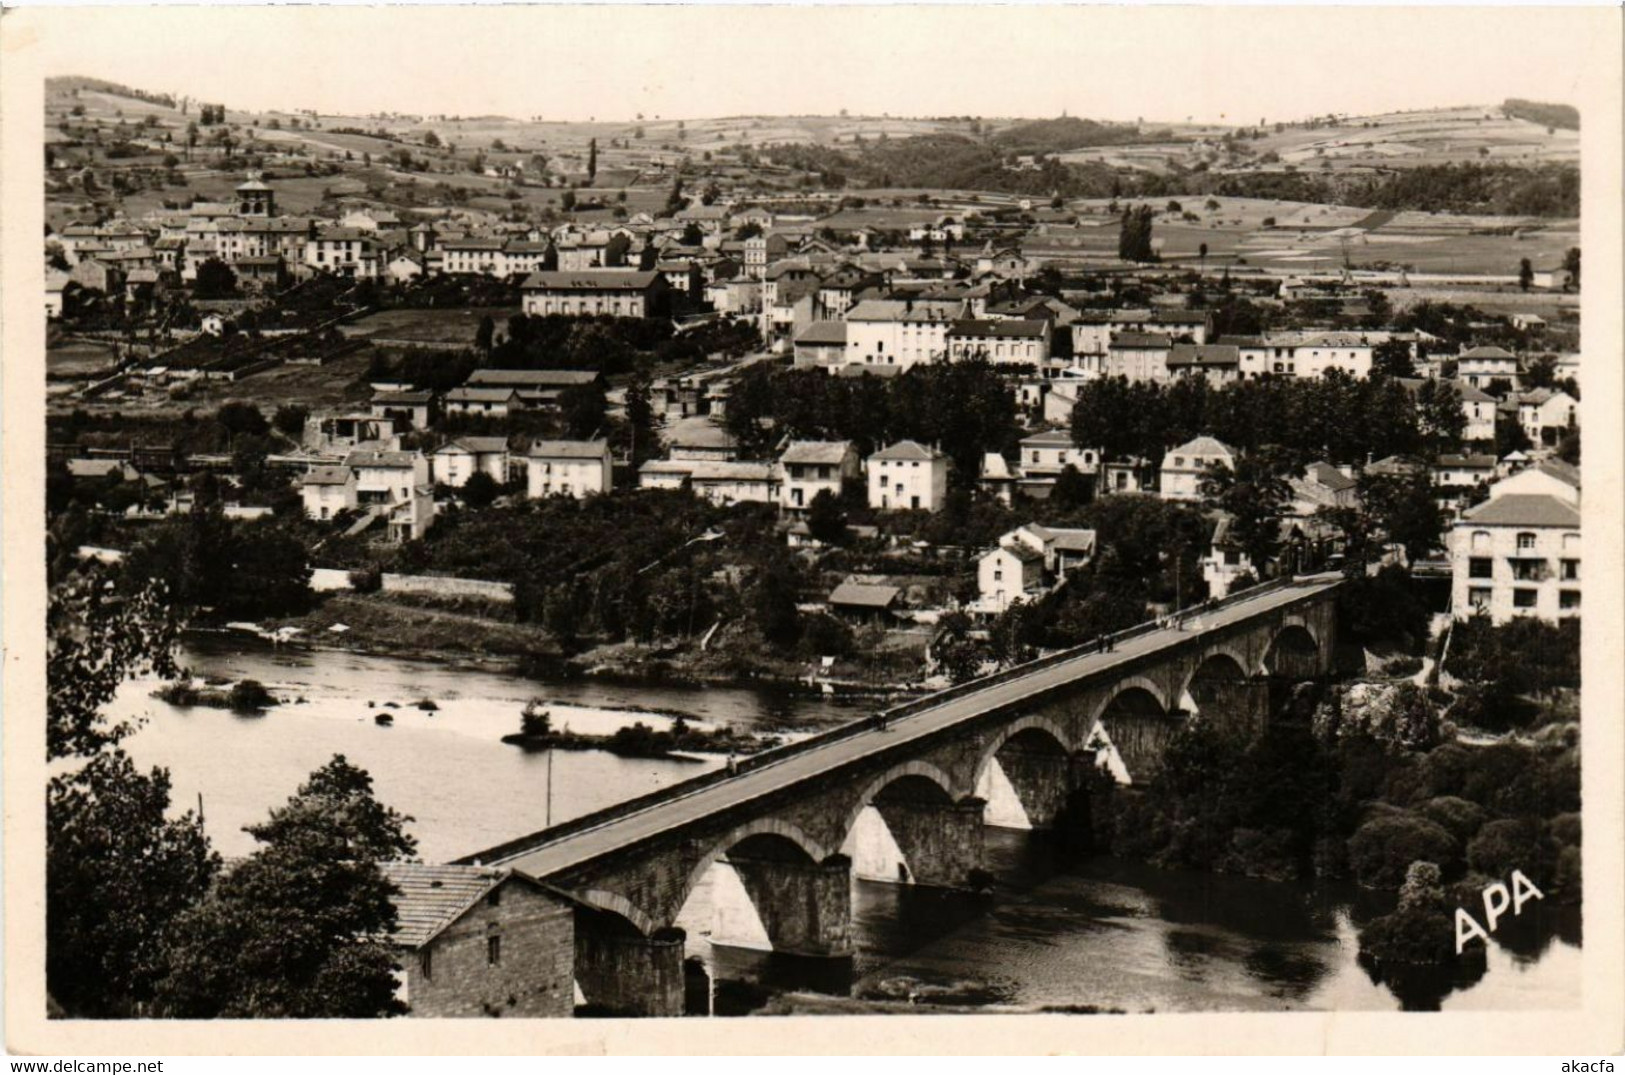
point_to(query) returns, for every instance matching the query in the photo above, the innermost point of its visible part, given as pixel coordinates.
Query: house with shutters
(574, 468)
(1185, 467)
(811, 467)
(458, 460)
(597, 293)
(1518, 553)
(908, 476)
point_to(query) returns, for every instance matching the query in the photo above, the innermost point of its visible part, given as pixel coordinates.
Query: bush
(366, 580)
(1510, 844)
(1458, 816)
(1382, 849)
(250, 696)
(826, 636)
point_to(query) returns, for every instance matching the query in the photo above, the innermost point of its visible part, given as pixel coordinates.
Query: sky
(1228, 65)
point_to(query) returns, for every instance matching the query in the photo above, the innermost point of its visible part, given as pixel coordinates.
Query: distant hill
(67, 85)
(1070, 132)
(1565, 117)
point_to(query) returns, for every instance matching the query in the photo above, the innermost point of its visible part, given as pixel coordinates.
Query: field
(450, 328)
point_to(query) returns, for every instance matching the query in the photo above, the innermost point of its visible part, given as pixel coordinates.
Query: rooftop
(908, 450)
(832, 452)
(592, 280)
(432, 897)
(1524, 509)
(569, 449)
(863, 595)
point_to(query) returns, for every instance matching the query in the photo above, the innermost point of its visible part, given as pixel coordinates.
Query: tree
(479, 490)
(431, 139)
(826, 519)
(215, 279)
(675, 200)
(300, 929)
(774, 603)
(567, 201)
(1571, 264)
(1510, 436)
(1072, 488)
(640, 419)
(484, 335)
(692, 235)
(1392, 357)
(237, 417)
(1526, 274)
(290, 418)
(1405, 509)
(583, 407)
(1439, 416)
(592, 160)
(1201, 252)
(1134, 235)
(1255, 496)
(118, 869)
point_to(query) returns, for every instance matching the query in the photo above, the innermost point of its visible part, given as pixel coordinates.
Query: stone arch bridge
(785, 820)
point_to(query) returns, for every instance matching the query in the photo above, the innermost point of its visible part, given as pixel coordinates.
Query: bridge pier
(942, 843)
(805, 907)
(1234, 705)
(621, 972)
(1043, 781)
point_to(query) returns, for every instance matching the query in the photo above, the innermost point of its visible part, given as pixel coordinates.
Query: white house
(1006, 342)
(1546, 414)
(899, 332)
(1184, 467)
(908, 476)
(1481, 365)
(578, 468)
(495, 402)
(327, 491)
(1518, 553)
(384, 476)
(811, 467)
(458, 460)
(1063, 548)
(1007, 574)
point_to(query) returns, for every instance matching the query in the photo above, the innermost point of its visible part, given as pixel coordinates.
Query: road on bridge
(576, 848)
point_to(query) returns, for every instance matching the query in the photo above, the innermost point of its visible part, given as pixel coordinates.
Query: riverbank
(469, 635)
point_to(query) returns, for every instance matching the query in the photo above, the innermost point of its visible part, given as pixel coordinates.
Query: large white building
(899, 332)
(1184, 467)
(813, 467)
(908, 476)
(578, 468)
(1518, 553)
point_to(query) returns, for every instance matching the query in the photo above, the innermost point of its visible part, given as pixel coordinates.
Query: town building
(326, 491)
(899, 332)
(1184, 468)
(1005, 342)
(458, 460)
(576, 468)
(1481, 366)
(1518, 553)
(481, 941)
(605, 292)
(813, 467)
(908, 477)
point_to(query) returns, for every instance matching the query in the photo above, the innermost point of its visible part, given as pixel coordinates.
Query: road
(576, 848)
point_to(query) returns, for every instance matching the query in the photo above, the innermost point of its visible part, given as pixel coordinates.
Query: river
(1102, 933)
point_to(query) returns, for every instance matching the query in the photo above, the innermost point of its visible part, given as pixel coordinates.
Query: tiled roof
(568, 449)
(475, 445)
(824, 332)
(1140, 341)
(432, 897)
(907, 450)
(863, 595)
(1025, 553)
(1203, 446)
(1212, 354)
(816, 451)
(412, 399)
(1010, 327)
(370, 458)
(478, 394)
(1329, 476)
(1049, 438)
(904, 310)
(327, 476)
(719, 470)
(1488, 352)
(593, 280)
(1524, 509)
(492, 378)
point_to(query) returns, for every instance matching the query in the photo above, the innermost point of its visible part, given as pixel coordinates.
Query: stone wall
(532, 977)
(441, 586)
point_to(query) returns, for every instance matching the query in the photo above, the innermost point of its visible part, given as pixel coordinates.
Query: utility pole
(549, 822)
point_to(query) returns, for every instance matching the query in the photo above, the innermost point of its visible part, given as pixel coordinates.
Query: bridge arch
(923, 770)
(1293, 652)
(1026, 774)
(1223, 694)
(1125, 696)
(602, 900)
(772, 827)
(1035, 723)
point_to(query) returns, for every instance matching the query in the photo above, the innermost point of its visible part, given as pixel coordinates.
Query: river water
(1102, 933)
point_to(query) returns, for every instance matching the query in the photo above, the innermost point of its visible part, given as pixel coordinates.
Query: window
(1481, 541)
(1480, 567)
(1528, 570)
(493, 951)
(426, 963)
(1524, 598)
(1479, 596)
(494, 898)
(998, 574)
(1568, 599)
(1570, 570)
(1526, 541)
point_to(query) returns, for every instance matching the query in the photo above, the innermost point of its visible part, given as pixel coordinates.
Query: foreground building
(1518, 553)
